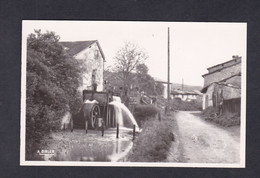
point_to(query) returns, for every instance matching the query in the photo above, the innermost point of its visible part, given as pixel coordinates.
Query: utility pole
(168, 82)
(182, 85)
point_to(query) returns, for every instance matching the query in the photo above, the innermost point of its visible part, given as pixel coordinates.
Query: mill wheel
(94, 114)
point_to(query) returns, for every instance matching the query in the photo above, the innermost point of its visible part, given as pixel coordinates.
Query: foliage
(226, 119)
(144, 112)
(153, 143)
(127, 58)
(145, 82)
(52, 82)
(159, 88)
(140, 79)
(178, 104)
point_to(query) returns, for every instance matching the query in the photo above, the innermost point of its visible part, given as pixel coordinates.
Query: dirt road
(203, 142)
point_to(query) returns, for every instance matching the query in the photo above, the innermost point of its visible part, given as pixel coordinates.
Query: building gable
(73, 48)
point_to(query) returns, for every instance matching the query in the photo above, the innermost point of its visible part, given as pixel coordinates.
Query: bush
(153, 143)
(178, 104)
(144, 112)
(226, 119)
(51, 87)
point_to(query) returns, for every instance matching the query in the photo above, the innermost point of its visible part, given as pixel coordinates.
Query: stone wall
(94, 64)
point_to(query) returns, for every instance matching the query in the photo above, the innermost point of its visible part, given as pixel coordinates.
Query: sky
(194, 46)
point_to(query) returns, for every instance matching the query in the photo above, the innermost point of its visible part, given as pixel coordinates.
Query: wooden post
(71, 125)
(168, 78)
(117, 130)
(133, 132)
(102, 128)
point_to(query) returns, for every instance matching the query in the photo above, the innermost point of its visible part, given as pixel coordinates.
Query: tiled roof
(234, 84)
(74, 47)
(220, 69)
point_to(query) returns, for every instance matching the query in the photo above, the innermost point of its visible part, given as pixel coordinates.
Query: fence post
(134, 132)
(117, 130)
(102, 128)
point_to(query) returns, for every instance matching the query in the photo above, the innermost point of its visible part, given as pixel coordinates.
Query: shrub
(153, 143)
(226, 119)
(51, 87)
(178, 104)
(144, 112)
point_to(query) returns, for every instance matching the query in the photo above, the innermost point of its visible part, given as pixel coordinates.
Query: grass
(143, 113)
(154, 142)
(226, 119)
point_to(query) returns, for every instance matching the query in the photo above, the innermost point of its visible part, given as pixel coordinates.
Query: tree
(146, 82)
(53, 78)
(127, 58)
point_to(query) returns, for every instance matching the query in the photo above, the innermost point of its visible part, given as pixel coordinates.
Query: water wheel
(94, 115)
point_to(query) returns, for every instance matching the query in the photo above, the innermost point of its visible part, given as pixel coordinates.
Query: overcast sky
(193, 46)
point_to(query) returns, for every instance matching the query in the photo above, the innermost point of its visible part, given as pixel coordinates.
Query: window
(96, 54)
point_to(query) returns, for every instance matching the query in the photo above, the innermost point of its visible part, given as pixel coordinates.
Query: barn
(222, 86)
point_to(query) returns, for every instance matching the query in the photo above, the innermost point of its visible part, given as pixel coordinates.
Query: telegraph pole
(182, 85)
(168, 82)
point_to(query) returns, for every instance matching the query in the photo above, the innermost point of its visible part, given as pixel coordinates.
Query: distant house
(93, 59)
(164, 85)
(185, 95)
(222, 86)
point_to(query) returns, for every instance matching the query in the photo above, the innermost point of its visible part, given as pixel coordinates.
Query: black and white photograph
(133, 93)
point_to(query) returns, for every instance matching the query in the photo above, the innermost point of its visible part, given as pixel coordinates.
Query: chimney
(236, 57)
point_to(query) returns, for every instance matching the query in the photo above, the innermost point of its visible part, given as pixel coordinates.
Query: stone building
(222, 86)
(93, 59)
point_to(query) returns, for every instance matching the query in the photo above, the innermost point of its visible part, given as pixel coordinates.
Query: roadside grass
(143, 113)
(178, 104)
(227, 119)
(154, 142)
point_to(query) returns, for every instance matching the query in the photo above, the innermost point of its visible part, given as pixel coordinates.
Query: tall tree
(146, 82)
(127, 58)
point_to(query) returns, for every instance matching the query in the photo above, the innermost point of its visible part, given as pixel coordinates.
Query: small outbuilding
(222, 86)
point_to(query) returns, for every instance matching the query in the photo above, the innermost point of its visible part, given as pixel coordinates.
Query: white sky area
(193, 46)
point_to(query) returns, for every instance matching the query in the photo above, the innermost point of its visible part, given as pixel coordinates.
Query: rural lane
(203, 142)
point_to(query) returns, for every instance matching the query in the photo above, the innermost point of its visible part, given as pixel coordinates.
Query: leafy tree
(127, 58)
(52, 80)
(146, 82)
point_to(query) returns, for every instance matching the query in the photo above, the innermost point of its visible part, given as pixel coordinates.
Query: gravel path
(203, 142)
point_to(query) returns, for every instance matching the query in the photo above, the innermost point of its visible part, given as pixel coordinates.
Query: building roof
(74, 47)
(181, 92)
(220, 69)
(236, 60)
(233, 84)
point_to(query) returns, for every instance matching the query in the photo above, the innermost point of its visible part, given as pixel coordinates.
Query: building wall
(207, 97)
(93, 61)
(221, 75)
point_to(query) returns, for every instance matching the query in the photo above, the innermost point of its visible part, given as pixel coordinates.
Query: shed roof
(227, 82)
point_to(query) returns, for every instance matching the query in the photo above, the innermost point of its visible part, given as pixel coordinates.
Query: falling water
(123, 116)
